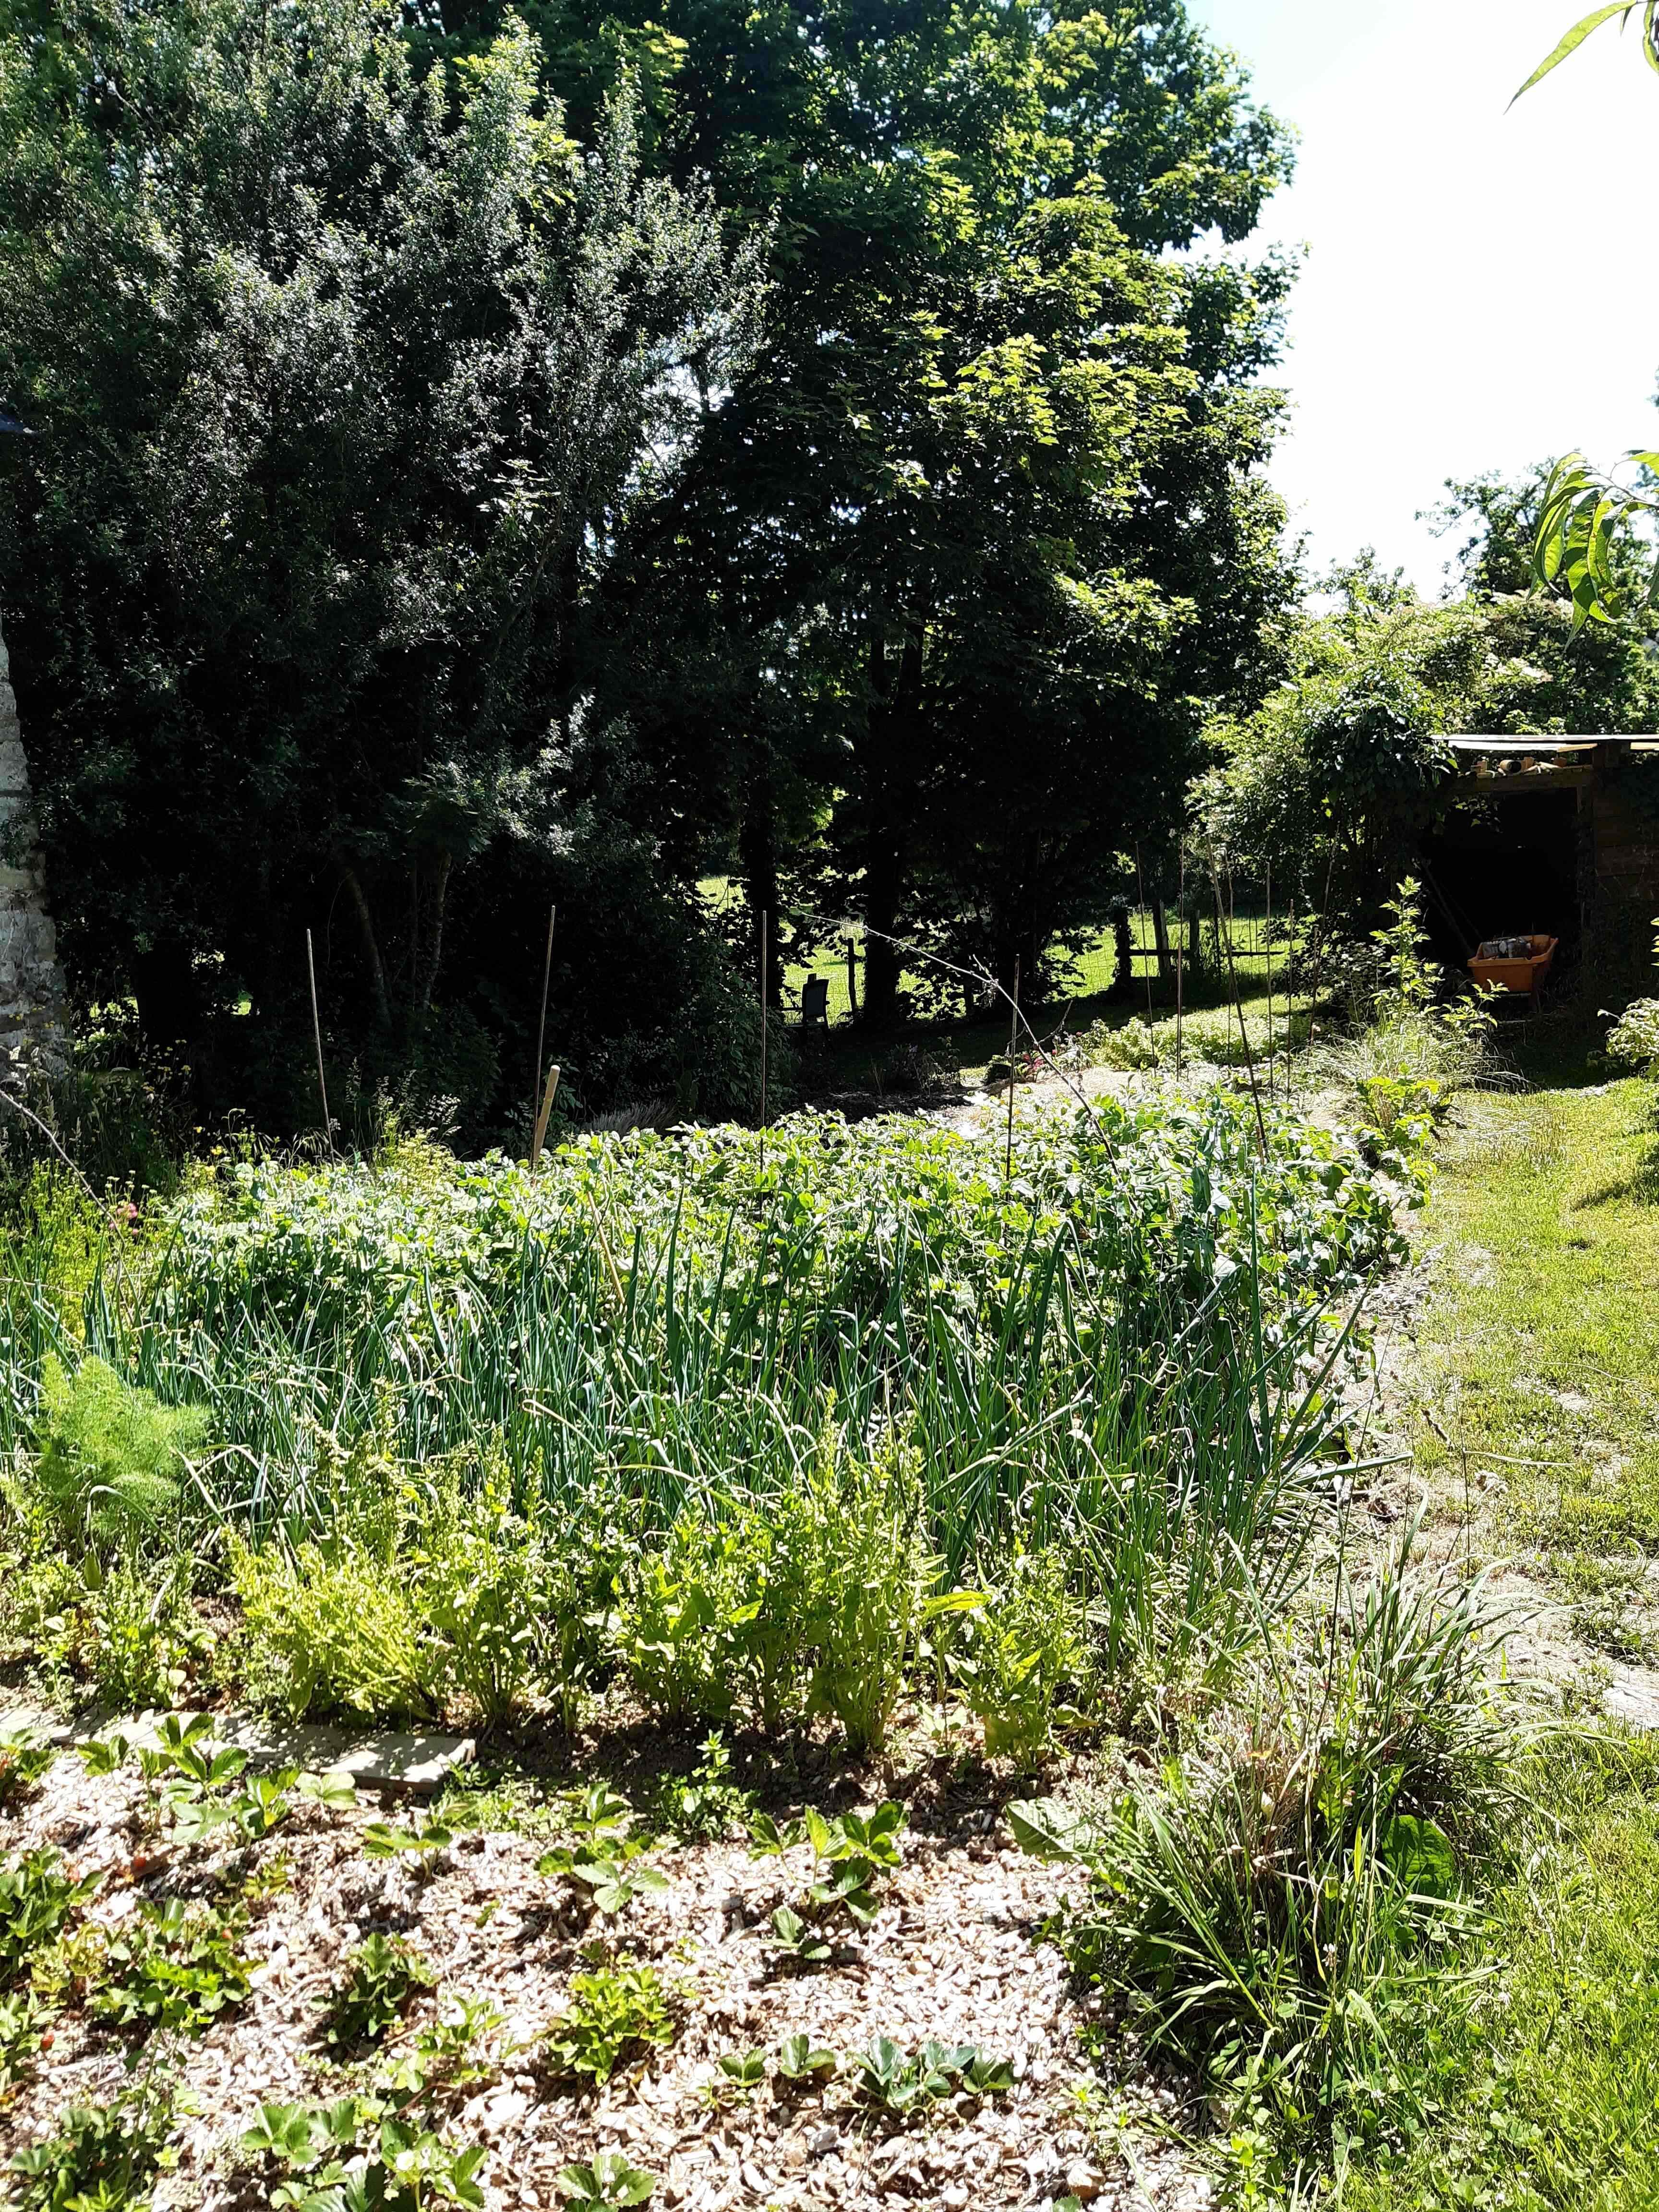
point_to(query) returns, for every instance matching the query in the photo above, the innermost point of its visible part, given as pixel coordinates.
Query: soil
(958, 1955)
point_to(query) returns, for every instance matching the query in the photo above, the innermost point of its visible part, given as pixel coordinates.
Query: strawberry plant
(383, 1978)
(609, 2180)
(615, 2015)
(173, 1967)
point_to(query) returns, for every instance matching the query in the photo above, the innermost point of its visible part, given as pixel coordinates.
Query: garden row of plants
(767, 1425)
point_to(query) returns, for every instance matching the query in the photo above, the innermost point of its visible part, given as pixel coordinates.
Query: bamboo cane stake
(1013, 1073)
(317, 1033)
(541, 1038)
(539, 1138)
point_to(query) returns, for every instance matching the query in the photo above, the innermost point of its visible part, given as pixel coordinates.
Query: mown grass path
(1535, 1403)
(1530, 1400)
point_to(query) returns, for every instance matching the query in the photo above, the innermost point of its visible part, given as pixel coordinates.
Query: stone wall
(34, 1023)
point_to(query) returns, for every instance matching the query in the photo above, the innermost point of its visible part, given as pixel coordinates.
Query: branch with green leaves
(1624, 10)
(1583, 529)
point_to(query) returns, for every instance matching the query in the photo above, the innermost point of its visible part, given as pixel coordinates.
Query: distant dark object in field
(638, 1113)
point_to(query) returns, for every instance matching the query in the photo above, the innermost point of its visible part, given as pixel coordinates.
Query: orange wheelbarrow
(1520, 965)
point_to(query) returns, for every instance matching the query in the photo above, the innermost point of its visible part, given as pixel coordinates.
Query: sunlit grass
(1543, 1332)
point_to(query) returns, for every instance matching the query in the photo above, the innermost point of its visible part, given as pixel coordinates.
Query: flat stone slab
(1633, 1696)
(409, 1766)
(36, 1721)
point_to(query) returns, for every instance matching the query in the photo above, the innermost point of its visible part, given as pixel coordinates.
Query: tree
(990, 463)
(348, 380)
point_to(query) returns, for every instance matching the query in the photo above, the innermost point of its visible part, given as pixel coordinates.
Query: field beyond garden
(957, 1693)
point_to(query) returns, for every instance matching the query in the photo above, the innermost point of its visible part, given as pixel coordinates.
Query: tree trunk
(430, 978)
(371, 944)
(32, 1020)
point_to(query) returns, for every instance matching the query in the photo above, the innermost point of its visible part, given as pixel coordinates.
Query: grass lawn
(1543, 1327)
(1540, 2087)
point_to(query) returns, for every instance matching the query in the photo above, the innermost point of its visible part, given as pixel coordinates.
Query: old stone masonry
(33, 1026)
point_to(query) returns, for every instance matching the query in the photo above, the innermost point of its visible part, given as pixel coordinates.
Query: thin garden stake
(1140, 892)
(1013, 1072)
(1223, 933)
(539, 1137)
(317, 1032)
(1322, 927)
(1181, 946)
(1267, 947)
(763, 980)
(541, 1039)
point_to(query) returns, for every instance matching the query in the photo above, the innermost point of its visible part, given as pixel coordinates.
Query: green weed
(1286, 1904)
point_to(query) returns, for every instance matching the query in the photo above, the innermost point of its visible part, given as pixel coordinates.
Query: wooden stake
(1180, 949)
(1140, 892)
(765, 979)
(1013, 1072)
(1224, 934)
(541, 1036)
(317, 1032)
(1267, 947)
(539, 1138)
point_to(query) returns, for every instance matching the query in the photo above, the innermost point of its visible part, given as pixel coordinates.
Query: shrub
(1633, 1040)
(859, 1527)
(427, 1592)
(1129, 1046)
(343, 1627)
(686, 1613)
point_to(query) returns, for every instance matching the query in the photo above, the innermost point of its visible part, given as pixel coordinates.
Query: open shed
(1556, 837)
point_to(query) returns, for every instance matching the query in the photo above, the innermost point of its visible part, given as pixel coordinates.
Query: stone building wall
(32, 1019)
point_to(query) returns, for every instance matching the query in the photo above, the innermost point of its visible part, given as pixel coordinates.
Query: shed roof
(1465, 743)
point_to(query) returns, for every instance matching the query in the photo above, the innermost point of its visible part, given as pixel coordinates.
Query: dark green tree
(346, 382)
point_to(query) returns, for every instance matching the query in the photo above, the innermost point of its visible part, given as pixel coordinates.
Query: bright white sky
(1480, 290)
